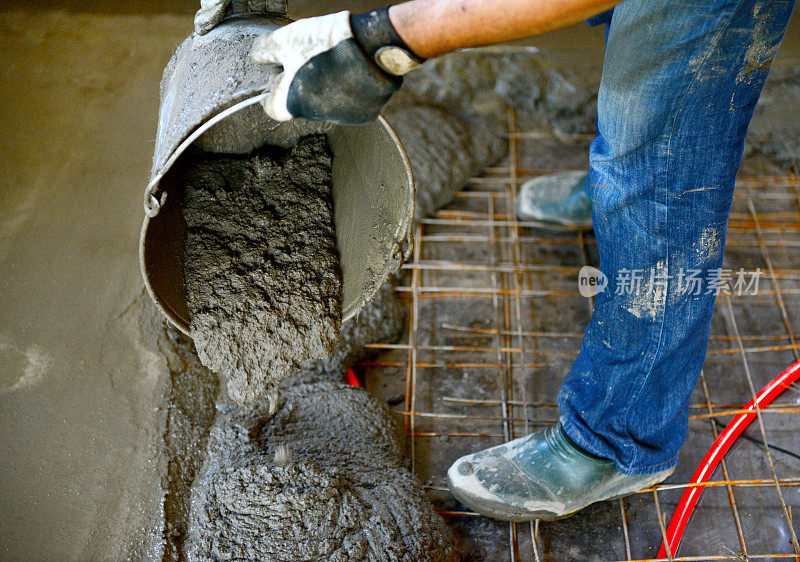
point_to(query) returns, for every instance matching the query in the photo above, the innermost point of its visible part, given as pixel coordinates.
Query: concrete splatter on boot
(541, 476)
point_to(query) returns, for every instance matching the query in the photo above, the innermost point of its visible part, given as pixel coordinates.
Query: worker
(680, 82)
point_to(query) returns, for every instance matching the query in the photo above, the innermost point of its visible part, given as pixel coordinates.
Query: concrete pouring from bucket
(97, 459)
(210, 98)
(262, 269)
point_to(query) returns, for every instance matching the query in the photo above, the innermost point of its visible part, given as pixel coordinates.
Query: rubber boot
(558, 199)
(541, 476)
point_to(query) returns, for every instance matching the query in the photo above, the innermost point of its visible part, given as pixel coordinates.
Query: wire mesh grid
(496, 321)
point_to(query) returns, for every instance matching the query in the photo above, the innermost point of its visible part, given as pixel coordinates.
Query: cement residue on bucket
(321, 480)
(263, 281)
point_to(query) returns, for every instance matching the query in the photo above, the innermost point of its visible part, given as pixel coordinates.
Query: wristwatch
(375, 34)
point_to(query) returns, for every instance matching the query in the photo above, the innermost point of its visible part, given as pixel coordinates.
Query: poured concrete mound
(445, 148)
(490, 81)
(323, 479)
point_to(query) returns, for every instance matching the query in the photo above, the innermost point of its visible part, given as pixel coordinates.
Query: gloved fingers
(275, 104)
(209, 15)
(327, 75)
(267, 49)
(297, 42)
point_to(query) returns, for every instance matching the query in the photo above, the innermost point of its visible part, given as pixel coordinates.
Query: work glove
(209, 15)
(212, 12)
(336, 68)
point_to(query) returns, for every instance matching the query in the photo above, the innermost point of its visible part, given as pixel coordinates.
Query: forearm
(434, 27)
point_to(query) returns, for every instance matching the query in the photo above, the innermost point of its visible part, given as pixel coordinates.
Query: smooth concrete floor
(79, 469)
(79, 472)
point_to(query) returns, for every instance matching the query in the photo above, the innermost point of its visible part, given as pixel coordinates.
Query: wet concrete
(187, 402)
(79, 420)
(191, 406)
(322, 479)
(492, 80)
(445, 147)
(380, 321)
(774, 133)
(263, 280)
(82, 405)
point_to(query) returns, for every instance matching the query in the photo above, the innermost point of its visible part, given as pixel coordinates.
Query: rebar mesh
(496, 321)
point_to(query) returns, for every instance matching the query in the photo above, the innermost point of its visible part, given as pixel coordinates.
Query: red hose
(718, 449)
(351, 378)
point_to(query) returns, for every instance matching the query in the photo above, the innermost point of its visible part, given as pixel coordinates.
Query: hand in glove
(337, 68)
(209, 15)
(212, 12)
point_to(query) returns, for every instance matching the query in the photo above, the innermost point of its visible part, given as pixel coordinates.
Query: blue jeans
(680, 82)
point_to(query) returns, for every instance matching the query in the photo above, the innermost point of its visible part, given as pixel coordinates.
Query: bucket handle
(152, 201)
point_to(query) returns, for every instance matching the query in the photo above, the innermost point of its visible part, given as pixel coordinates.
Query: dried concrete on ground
(323, 479)
(263, 280)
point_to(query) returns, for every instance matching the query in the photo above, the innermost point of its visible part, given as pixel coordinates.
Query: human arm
(343, 68)
(435, 27)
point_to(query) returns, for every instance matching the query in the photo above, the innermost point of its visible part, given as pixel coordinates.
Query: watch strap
(374, 31)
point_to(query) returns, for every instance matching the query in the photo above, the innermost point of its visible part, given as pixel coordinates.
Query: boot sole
(507, 514)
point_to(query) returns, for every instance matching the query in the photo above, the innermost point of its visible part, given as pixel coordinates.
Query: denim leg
(680, 82)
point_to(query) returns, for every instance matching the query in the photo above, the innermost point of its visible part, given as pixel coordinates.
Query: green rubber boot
(556, 199)
(541, 476)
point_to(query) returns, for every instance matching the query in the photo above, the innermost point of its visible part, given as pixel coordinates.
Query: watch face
(395, 60)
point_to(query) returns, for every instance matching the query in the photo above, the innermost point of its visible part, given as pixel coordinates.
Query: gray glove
(336, 68)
